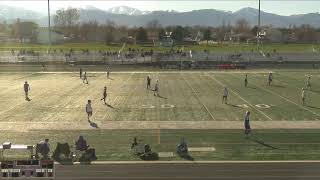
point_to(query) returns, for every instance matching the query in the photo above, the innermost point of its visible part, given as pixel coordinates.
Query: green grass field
(231, 48)
(190, 106)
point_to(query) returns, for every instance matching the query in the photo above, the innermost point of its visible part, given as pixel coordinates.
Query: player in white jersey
(308, 82)
(225, 95)
(89, 110)
(156, 88)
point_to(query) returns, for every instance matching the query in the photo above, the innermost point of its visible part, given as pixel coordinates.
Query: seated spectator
(43, 148)
(135, 143)
(81, 144)
(182, 147)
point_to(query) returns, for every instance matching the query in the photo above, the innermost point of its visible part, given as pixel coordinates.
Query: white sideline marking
(197, 162)
(198, 97)
(240, 97)
(166, 154)
(201, 149)
(142, 72)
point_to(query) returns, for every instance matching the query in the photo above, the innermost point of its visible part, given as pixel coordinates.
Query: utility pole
(49, 24)
(259, 24)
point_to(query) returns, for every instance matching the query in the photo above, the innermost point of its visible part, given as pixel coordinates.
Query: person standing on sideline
(80, 73)
(148, 82)
(247, 123)
(270, 78)
(26, 88)
(104, 95)
(89, 110)
(85, 79)
(225, 96)
(246, 81)
(303, 96)
(108, 71)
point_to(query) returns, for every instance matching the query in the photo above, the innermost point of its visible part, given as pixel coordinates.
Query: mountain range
(124, 15)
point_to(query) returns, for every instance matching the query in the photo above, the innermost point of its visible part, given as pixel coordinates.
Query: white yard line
(223, 85)
(194, 92)
(138, 72)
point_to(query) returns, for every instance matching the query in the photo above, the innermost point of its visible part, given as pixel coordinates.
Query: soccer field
(188, 100)
(189, 106)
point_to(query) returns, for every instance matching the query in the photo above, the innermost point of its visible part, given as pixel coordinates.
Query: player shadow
(314, 91)
(109, 105)
(313, 107)
(93, 124)
(262, 143)
(161, 97)
(251, 87)
(187, 157)
(278, 86)
(28, 99)
(110, 79)
(233, 105)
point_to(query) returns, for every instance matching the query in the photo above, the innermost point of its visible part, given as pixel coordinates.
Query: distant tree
(153, 25)
(67, 19)
(109, 30)
(178, 34)
(242, 26)
(254, 30)
(22, 30)
(207, 35)
(141, 35)
(162, 34)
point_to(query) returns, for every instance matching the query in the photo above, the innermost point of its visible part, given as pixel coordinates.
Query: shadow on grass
(234, 105)
(313, 107)
(110, 106)
(187, 157)
(278, 86)
(262, 143)
(251, 87)
(28, 99)
(93, 124)
(110, 79)
(314, 91)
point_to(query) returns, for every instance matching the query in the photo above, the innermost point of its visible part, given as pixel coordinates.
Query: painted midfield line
(223, 85)
(198, 97)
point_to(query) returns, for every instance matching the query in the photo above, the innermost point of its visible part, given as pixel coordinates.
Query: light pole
(259, 23)
(49, 24)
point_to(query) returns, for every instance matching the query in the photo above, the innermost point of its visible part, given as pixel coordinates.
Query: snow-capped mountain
(128, 16)
(126, 11)
(10, 13)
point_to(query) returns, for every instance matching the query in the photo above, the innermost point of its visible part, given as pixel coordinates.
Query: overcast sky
(282, 7)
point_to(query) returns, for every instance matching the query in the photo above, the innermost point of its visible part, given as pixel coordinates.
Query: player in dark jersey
(104, 95)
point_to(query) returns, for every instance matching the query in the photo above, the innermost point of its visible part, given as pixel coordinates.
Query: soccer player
(309, 82)
(104, 95)
(80, 73)
(247, 123)
(89, 110)
(26, 88)
(85, 78)
(225, 95)
(270, 78)
(303, 96)
(156, 88)
(246, 81)
(148, 82)
(108, 72)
